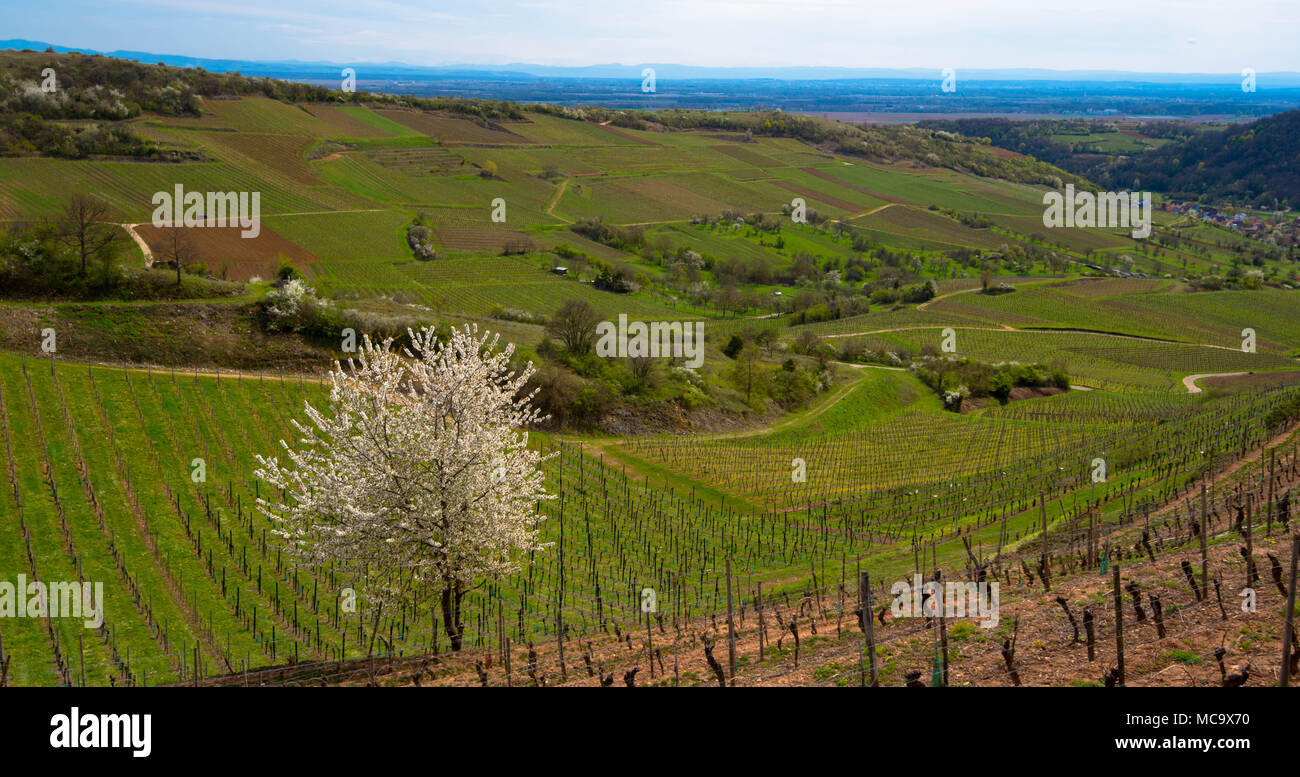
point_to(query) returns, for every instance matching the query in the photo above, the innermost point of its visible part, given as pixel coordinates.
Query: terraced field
(1141, 307)
(32, 188)
(230, 256)
(921, 381)
(342, 181)
(99, 460)
(1097, 360)
(195, 584)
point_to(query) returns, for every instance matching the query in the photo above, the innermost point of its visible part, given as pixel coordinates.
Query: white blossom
(419, 478)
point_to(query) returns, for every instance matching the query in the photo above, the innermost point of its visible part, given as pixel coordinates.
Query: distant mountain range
(852, 94)
(390, 70)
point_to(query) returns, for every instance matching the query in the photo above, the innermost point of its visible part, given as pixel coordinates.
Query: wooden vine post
(731, 629)
(1250, 546)
(1044, 572)
(1290, 615)
(1272, 465)
(943, 627)
(1119, 625)
(1205, 529)
(869, 676)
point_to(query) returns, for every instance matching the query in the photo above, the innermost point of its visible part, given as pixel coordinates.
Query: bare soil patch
(228, 255)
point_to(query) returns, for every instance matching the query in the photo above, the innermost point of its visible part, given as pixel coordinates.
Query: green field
(686, 476)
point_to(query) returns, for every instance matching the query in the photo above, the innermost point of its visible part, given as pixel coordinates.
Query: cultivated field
(752, 532)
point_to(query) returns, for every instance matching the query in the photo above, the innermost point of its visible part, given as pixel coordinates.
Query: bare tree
(179, 249)
(85, 228)
(742, 372)
(642, 369)
(574, 325)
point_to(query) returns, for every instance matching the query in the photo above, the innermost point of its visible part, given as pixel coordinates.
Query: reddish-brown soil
(227, 254)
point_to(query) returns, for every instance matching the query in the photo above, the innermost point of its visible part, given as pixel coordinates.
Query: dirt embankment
(671, 417)
(190, 335)
(1017, 394)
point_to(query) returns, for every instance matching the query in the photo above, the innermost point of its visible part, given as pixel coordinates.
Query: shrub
(285, 271)
(951, 377)
(628, 239)
(1287, 411)
(503, 313)
(921, 292)
(953, 398)
(292, 307)
(420, 239)
(791, 387)
(1000, 388)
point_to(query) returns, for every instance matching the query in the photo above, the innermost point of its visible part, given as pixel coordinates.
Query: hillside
(1251, 164)
(388, 208)
(902, 370)
(197, 586)
(1084, 146)
(38, 109)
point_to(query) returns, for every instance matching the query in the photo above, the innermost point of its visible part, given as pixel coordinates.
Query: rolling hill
(812, 444)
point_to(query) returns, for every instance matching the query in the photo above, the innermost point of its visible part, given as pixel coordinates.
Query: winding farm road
(926, 304)
(1190, 380)
(871, 212)
(144, 247)
(1008, 328)
(550, 209)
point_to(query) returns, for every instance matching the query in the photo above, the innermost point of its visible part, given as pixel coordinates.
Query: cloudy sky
(1219, 36)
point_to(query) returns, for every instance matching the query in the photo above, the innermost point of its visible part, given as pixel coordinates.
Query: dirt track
(1190, 380)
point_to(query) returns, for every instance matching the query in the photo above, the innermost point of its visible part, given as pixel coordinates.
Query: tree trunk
(374, 631)
(452, 593)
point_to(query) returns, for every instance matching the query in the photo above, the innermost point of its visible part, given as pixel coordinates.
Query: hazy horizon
(1151, 37)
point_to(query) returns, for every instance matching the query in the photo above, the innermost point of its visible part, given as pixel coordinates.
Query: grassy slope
(885, 435)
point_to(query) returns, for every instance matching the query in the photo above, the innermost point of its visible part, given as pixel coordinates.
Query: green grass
(886, 450)
(888, 470)
(387, 170)
(381, 123)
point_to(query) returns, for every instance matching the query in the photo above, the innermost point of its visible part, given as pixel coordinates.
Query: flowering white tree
(419, 479)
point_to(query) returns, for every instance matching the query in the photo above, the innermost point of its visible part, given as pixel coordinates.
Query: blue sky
(1216, 36)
